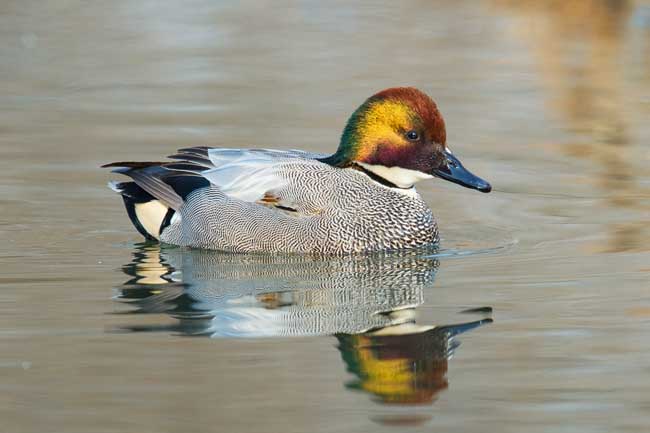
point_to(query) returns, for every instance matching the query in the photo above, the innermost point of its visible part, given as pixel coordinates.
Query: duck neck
(350, 143)
(377, 178)
(337, 160)
(390, 177)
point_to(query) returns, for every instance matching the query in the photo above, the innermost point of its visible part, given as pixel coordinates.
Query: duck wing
(252, 175)
(255, 175)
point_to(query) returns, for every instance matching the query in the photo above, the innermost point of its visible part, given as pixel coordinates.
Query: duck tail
(159, 189)
(148, 214)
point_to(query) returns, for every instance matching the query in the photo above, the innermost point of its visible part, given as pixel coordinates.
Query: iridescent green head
(399, 135)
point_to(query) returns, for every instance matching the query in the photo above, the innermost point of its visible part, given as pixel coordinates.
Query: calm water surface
(540, 291)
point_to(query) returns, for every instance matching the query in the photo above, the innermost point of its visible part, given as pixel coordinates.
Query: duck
(360, 199)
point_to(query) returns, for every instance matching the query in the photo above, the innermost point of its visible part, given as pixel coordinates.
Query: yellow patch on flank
(151, 215)
(382, 122)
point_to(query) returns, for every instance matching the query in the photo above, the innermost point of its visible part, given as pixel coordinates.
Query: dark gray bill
(453, 171)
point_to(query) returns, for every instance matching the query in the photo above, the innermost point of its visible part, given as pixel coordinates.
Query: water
(548, 101)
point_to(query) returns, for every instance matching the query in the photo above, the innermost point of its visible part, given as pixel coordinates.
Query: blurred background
(548, 100)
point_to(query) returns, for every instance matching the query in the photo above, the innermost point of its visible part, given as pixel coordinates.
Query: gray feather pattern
(280, 201)
(337, 210)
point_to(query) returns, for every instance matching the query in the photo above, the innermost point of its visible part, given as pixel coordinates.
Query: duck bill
(453, 171)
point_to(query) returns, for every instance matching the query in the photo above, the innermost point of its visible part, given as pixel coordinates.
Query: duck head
(398, 136)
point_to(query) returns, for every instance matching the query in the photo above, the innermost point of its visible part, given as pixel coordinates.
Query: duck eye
(412, 135)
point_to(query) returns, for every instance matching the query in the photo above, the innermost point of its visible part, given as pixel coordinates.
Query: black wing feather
(170, 182)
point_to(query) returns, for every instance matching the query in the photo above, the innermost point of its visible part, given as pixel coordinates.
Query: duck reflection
(402, 364)
(367, 302)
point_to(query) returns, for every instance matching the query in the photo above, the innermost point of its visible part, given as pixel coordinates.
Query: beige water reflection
(548, 100)
(582, 49)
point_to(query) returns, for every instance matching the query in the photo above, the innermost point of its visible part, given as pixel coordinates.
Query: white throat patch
(402, 177)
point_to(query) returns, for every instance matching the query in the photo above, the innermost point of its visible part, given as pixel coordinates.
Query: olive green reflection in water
(402, 364)
(368, 302)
